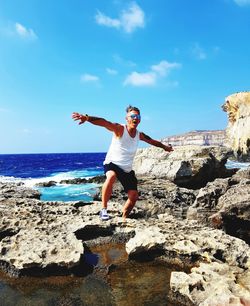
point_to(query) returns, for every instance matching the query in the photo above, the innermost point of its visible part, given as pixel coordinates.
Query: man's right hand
(80, 117)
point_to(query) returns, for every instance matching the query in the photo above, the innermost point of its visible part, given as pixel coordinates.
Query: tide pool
(66, 193)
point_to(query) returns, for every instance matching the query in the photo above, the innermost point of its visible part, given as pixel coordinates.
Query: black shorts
(127, 179)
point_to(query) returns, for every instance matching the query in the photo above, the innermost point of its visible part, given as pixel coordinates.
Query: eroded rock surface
(222, 272)
(237, 107)
(156, 196)
(37, 236)
(225, 203)
(187, 166)
(211, 284)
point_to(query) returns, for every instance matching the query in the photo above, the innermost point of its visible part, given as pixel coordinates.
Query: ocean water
(32, 169)
(231, 164)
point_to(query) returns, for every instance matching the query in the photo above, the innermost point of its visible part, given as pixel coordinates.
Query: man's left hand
(168, 148)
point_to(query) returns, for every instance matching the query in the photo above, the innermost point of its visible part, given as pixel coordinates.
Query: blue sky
(176, 60)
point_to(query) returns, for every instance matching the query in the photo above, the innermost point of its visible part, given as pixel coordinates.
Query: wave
(11, 179)
(56, 177)
(86, 173)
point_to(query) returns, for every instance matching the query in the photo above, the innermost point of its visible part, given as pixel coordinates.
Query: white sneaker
(104, 215)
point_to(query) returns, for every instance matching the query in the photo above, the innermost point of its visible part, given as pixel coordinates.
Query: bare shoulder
(117, 128)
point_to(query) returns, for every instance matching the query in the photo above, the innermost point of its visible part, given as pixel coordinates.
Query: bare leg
(107, 187)
(130, 203)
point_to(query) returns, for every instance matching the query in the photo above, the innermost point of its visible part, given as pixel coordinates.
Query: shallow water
(140, 284)
(128, 283)
(70, 192)
(232, 164)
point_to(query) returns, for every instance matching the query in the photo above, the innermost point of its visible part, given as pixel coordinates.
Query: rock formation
(224, 203)
(39, 237)
(198, 138)
(237, 107)
(187, 166)
(204, 231)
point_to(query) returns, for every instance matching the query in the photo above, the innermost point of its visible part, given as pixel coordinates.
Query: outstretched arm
(155, 143)
(114, 127)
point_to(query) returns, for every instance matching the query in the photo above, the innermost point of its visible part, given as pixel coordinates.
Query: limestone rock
(156, 196)
(198, 138)
(46, 184)
(96, 179)
(47, 236)
(242, 174)
(33, 248)
(213, 284)
(238, 130)
(188, 166)
(234, 210)
(225, 203)
(220, 278)
(150, 239)
(9, 190)
(192, 241)
(38, 236)
(206, 202)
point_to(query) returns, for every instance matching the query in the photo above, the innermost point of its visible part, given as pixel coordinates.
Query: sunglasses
(135, 116)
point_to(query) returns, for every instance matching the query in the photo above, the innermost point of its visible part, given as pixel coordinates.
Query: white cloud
(140, 79)
(164, 67)
(132, 18)
(23, 32)
(89, 78)
(198, 52)
(151, 77)
(107, 21)
(129, 20)
(242, 2)
(111, 71)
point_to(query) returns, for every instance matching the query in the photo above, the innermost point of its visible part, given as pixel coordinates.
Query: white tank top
(122, 150)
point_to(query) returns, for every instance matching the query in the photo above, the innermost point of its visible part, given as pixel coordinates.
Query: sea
(33, 169)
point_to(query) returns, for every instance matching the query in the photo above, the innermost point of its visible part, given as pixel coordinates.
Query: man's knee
(110, 177)
(133, 195)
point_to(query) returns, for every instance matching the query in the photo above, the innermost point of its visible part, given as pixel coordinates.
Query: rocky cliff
(187, 166)
(237, 107)
(201, 138)
(52, 238)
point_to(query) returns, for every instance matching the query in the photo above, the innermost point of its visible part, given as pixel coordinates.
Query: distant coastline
(198, 137)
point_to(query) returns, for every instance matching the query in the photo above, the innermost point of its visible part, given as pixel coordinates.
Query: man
(120, 156)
